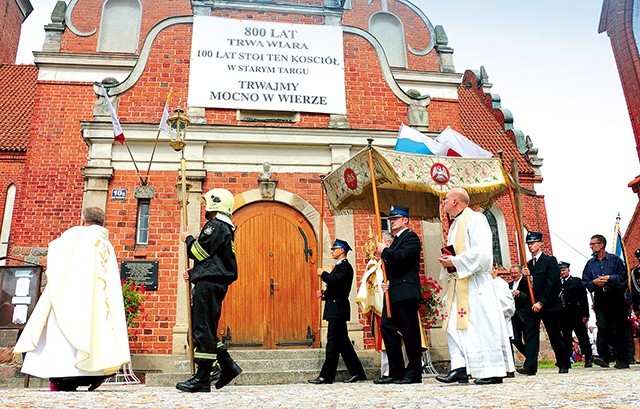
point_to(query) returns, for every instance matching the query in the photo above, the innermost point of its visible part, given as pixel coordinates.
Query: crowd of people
(492, 312)
(489, 310)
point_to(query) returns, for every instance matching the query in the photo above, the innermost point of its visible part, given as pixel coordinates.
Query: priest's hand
(446, 261)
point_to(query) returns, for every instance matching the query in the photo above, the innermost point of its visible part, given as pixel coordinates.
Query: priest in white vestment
(77, 333)
(476, 330)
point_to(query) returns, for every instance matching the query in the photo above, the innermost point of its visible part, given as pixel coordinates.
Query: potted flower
(430, 305)
(133, 296)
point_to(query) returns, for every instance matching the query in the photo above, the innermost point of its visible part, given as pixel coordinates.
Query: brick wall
(11, 172)
(11, 24)
(619, 28)
(616, 20)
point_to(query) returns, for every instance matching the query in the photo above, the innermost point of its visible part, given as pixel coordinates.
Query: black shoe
(600, 362)
(385, 380)
(195, 384)
(97, 381)
(488, 381)
(456, 375)
(319, 381)
(68, 384)
(524, 371)
(229, 371)
(405, 381)
(511, 375)
(621, 365)
(355, 378)
(563, 370)
(588, 362)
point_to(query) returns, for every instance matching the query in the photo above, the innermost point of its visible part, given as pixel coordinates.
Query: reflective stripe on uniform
(204, 355)
(198, 252)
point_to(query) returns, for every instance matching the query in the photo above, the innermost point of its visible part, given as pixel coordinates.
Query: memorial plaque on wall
(141, 272)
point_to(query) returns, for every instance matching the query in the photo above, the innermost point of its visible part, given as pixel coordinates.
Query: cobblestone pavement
(581, 388)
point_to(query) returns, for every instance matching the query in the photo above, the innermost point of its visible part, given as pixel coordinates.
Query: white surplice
(508, 305)
(481, 347)
(78, 327)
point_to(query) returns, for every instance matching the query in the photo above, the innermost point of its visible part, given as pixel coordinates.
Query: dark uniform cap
(398, 211)
(533, 236)
(341, 244)
(563, 264)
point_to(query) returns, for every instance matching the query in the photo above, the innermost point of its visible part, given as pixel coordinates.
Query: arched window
(120, 26)
(388, 29)
(495, 233)
(6, 221)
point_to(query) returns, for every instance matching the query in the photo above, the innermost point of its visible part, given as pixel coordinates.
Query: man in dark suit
(545, 275)
(337, 313)
(575, 312)
(402, 262)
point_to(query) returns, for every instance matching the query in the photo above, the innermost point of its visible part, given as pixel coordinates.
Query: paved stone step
(257, 378)
(272, 367)
(281, 360)
(275, 365)
(302, 353)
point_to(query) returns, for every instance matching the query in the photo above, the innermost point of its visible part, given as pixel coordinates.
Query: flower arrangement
(133, 296)
(430, 305)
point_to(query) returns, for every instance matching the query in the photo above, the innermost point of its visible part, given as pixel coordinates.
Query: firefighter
(214, 270)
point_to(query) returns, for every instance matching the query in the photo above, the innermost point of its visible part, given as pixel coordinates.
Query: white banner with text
(244, 64)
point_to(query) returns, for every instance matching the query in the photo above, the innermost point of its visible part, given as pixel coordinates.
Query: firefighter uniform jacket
(213, 254)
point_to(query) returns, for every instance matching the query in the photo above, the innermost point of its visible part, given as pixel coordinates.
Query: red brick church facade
(620, 20)
(71, 160)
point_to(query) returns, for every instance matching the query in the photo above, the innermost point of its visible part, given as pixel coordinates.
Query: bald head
(457, 200)
(460, 194)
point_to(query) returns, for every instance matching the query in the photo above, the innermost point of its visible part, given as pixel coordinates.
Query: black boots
(457, 375)
(201, 381)
(228, 367)
(222, 371)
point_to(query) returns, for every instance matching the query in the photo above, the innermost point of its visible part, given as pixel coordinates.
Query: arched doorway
(273, 303)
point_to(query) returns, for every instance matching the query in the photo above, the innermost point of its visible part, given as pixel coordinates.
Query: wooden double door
(273, 302)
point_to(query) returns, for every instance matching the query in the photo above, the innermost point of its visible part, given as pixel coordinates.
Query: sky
(558, 77)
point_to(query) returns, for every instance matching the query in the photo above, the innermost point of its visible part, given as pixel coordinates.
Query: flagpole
(376, 206)
(142, 182)
(153, 151)
(617, 237)
(118, 135)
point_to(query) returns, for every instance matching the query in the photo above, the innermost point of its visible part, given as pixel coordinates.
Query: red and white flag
(164, 127)
(459, 145)
(118, 135)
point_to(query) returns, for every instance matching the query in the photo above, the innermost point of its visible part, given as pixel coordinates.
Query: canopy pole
(517, 217)
(378, 222)
(185, 227)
